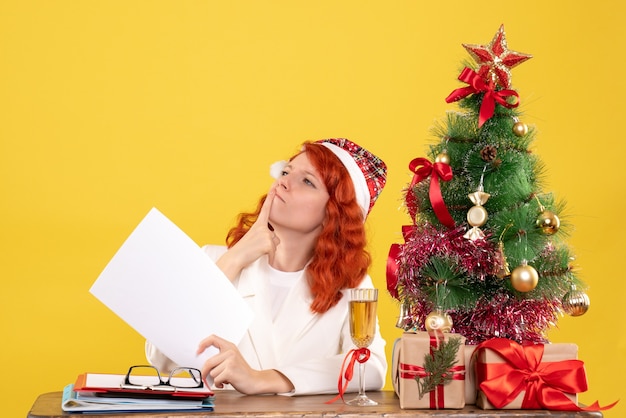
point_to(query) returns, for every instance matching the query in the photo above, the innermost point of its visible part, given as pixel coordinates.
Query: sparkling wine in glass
(362, 329)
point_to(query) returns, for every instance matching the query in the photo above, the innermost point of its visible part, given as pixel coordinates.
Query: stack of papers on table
(94, 392)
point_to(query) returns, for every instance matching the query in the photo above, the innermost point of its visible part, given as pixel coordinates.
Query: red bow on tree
(478, 85)
(422, 168)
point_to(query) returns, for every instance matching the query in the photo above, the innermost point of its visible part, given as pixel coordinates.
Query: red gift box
(408, 364)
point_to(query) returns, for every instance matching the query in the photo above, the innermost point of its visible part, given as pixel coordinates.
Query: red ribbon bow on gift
(478, 85)
(437, 399)
(545, 383)
(360, 355)
(422, 168)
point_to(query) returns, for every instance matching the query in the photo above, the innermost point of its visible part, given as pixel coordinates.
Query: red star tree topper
(496, 60)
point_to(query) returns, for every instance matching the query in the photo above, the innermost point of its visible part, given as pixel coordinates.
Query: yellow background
(111, 107)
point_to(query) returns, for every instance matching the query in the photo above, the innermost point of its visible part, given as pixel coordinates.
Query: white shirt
(281, 283)
(307, 347)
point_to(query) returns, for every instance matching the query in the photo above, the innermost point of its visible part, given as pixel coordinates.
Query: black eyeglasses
(148, 377)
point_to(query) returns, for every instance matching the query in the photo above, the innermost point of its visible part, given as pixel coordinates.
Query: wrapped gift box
(408, 363)
(470, 376)
(490, 365)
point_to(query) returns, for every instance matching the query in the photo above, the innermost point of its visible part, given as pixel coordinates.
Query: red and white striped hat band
(367, 171)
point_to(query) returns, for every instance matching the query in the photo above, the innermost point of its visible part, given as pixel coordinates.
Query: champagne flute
(362, 329)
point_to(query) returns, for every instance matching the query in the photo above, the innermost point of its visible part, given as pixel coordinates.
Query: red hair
(340, 260)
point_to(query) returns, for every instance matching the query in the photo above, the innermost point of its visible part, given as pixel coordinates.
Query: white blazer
(306, 347)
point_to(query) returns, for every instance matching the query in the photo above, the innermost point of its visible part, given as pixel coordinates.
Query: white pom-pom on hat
(276, 169)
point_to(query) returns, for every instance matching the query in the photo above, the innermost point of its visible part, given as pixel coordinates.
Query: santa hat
(367, 172)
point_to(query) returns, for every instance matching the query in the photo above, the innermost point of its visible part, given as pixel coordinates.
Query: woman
(293, 261)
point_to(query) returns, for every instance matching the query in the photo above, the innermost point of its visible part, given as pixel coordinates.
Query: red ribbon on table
(360, 355)
(478, 85)
(422, 168)
(411, 371)
(545, 383)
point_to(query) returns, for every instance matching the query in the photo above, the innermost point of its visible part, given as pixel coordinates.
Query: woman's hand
(259, 240)
(229, 367)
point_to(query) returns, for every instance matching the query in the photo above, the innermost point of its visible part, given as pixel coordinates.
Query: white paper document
(165, 287)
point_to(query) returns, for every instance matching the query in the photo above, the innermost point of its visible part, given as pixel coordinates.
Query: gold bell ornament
(575, 302)
(503, 270)
(405, 320)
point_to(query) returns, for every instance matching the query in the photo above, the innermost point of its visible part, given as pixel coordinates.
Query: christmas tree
(485, 255)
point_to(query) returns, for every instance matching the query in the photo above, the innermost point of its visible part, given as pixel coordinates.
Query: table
(230, 404)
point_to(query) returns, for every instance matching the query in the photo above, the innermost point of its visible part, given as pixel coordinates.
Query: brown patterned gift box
(470, 376)
(410, 376)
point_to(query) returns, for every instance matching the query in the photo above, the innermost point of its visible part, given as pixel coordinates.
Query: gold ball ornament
(548, 222)
(443, 157)
(438, 320)
(524, 278)
(575, 302)
(520, 129)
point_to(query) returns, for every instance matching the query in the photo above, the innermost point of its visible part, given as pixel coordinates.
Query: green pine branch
(437, 366)
(447, 285)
